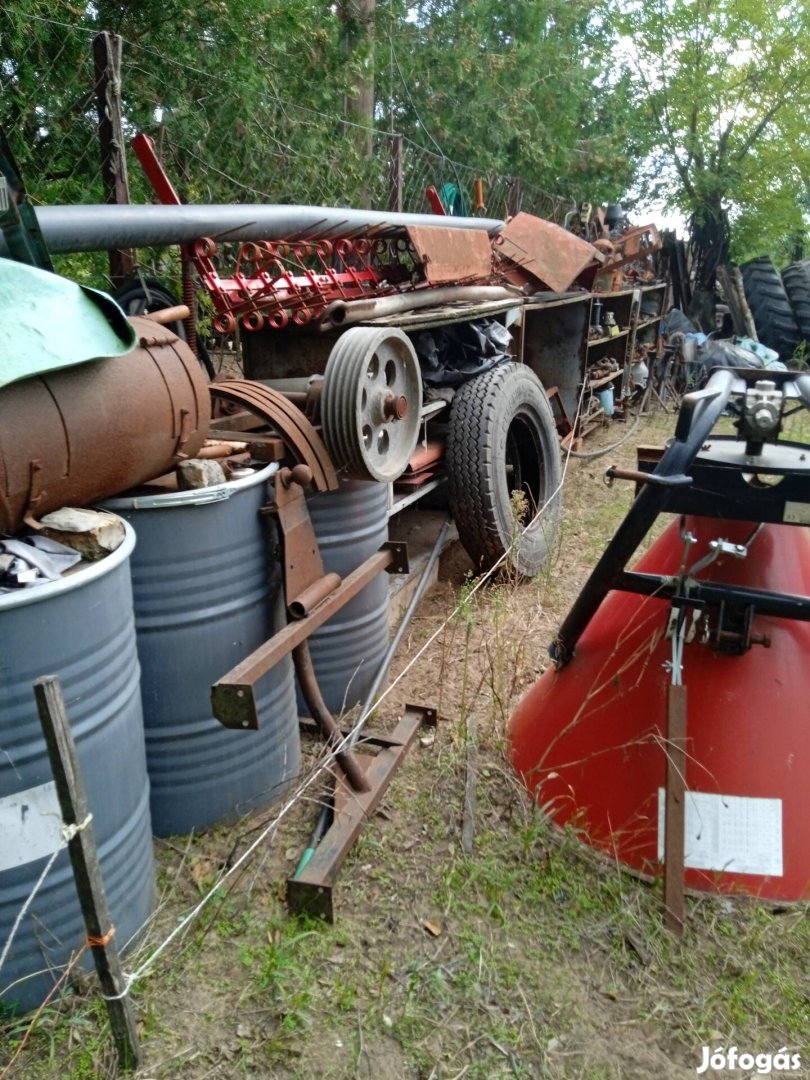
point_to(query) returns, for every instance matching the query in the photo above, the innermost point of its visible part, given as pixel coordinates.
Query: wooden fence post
(107, 62)
(513, 197)
(395, 183)
(86, 868)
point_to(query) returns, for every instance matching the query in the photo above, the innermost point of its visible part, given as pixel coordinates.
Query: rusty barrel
(71, 437)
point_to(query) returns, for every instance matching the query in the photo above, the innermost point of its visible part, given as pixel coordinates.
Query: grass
(530, 957)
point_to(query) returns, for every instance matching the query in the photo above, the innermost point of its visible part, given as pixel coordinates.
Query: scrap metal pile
(296, 279)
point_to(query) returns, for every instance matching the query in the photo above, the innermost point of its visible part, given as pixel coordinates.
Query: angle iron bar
(232, 697)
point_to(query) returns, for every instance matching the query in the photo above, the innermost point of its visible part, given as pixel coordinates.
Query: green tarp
(48, 322)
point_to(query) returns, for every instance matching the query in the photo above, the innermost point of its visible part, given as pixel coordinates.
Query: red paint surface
(589, 740)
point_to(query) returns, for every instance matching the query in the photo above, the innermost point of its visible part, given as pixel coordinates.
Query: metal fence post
(107, 62)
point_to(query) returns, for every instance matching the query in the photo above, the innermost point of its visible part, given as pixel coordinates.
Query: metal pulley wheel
(371, 403)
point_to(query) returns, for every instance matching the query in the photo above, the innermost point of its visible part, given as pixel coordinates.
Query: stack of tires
(780, 304)
(796, 279)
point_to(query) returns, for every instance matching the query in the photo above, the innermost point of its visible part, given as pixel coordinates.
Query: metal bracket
(303, 565)
(311, 893)
(232, 697)
(399, 556)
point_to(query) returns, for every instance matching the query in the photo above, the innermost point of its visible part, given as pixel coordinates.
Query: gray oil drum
(81, 629)
(207, 586)
(351, 524)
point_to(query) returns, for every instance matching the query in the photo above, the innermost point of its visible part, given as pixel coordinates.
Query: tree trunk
(358, 41)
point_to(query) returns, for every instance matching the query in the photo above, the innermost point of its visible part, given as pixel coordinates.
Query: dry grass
(527, 958)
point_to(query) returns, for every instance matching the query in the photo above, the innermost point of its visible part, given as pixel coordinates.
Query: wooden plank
(86, 868)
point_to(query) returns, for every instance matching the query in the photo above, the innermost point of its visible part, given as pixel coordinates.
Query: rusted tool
(304, 442)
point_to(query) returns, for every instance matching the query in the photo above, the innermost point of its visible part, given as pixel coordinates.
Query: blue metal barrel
(351, 524)
(207, 588)
(81, 629)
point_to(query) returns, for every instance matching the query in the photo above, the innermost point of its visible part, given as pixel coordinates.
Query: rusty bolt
(395, 408)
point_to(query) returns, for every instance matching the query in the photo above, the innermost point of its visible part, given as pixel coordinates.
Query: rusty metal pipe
(323, 718)
(343, 312)
(103, 227)
(302, 605)
(168, 315)
(233, 699)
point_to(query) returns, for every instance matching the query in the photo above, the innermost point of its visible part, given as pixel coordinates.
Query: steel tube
(324, 719)
(343, 312)
(302, 605)
(103, 227)
(382, 671)
(699, 413)
(232, 700)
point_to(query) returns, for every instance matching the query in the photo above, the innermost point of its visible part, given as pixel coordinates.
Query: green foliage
(247, 100)
(725, 86)
(515, 87)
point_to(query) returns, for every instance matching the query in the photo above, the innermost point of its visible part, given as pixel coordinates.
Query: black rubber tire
(773, 315)
(502, 439)
(139, 297)
(796, 280)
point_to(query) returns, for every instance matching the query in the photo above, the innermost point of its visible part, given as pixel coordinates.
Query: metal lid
(195, 497)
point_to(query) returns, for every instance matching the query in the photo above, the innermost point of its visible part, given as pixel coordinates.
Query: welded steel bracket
(303, 565)
(233, 699)
(311, 893)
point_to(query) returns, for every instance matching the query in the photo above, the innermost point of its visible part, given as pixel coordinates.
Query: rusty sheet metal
(303, 565)
(73, 437)
(636, 243)
(424, 455)
(545, 252)
(304, 442)
(449, 256)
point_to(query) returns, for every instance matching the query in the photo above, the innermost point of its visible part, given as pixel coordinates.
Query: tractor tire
(796, 280)
(773, 315)
(142, 296)
(503, 470)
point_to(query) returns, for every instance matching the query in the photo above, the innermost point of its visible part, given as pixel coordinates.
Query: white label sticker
(30, 826)
(797, 513)
(732, 833)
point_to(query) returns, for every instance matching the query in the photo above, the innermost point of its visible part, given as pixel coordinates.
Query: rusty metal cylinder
(72, 437)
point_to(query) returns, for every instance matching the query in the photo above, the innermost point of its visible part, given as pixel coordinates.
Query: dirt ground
(527, 957)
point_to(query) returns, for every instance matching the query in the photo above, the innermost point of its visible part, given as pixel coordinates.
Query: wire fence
(221, 140)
